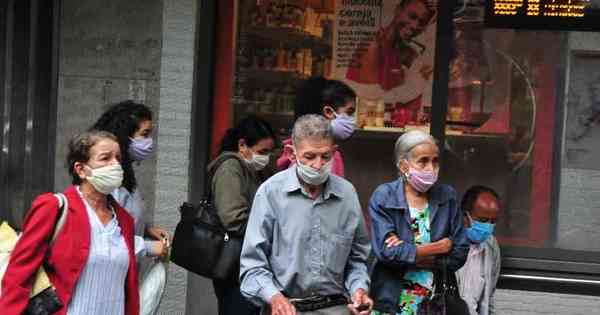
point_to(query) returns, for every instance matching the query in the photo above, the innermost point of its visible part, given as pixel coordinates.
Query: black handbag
(201, 243)
(445, 299)
(45, 303)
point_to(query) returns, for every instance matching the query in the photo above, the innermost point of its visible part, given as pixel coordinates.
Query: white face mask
(258, 161)
(105, 179)
(312, 176)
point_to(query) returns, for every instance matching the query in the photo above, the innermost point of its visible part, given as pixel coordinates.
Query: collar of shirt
(435, 196)
(476, 249)
(292, 184)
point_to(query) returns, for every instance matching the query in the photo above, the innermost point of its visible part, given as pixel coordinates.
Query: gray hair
(311, 126)
(408, 141)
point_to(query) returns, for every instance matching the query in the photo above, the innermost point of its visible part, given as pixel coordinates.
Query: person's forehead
(316, 145)
(104, 146)
(424, 149)
(486, 205)
(416, 5)
(146, 124)
(265, 142)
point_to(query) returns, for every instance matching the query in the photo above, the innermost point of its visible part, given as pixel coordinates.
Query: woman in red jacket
(91, 263)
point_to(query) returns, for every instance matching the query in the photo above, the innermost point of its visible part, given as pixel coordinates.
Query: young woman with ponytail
(245, 150)
(332, 99)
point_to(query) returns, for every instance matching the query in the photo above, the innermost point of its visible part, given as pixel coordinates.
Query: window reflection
(500, 122)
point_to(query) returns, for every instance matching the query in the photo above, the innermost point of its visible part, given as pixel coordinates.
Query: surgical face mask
(312, 176)
(140, 148)
(421, 180)
(343, 126)
(106, 179)
(258, 161)
(479, 232)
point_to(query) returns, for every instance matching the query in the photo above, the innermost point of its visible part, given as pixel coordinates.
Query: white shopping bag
(153, 288)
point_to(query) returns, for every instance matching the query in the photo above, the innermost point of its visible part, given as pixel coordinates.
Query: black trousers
(231, 301)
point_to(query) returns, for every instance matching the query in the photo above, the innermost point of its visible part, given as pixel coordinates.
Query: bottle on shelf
(309, 20)
(256, 16)
(327, 27)
(288, 100)
(270, 17)
(327, 67)
(371, 113)
(308, 60)
(280, 63)
(361, 112)
(298, 17)
(269, 59)
(265, 107)
(387, 115)
(317, 68)
(289, 55)
(379, 114)
(300, 61)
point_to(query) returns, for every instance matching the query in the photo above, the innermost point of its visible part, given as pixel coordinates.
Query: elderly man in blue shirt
(306, 244)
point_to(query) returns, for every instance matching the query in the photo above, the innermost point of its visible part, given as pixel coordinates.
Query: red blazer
(66, 257)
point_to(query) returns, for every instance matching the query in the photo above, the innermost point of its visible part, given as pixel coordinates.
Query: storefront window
(521, 115)
(511, 126)
(384, 50)
(500, 121)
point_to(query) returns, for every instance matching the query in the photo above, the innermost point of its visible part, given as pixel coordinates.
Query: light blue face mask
(479, 232)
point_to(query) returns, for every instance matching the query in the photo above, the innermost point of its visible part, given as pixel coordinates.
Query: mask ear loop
(470, 217)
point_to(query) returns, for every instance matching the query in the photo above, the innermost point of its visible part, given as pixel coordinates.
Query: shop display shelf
(394, 133)
(288, 36)
(271, 75)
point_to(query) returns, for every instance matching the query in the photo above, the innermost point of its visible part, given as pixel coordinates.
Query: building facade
(64, 61)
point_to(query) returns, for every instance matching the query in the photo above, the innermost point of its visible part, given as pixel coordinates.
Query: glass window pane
(579, 205)
(384, 50)
(501, 122)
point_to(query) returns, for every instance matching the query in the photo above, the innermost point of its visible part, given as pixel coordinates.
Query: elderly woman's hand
(392, 240)
(445, 245)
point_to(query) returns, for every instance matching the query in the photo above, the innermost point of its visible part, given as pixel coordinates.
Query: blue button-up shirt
(302, 246)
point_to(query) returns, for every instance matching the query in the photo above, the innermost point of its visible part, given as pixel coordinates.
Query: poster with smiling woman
(385, 49)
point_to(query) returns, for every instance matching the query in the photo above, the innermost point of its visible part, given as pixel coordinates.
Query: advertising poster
(385, 51)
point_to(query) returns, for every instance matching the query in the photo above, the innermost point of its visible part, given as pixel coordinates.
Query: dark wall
(28, 54)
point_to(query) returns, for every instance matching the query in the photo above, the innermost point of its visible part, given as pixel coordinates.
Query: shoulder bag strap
(208, 188)
(63, 206)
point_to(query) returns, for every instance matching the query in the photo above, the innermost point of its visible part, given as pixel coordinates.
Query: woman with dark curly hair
(131, 123)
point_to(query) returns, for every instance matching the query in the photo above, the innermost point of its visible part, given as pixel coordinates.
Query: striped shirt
(100, 289)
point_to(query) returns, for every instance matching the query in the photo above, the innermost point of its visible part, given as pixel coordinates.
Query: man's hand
(392, 240)
(361, 303)
(281, 306)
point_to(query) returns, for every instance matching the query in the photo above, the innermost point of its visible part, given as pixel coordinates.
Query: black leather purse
(45, 303)
(446, 298)
(201, 243)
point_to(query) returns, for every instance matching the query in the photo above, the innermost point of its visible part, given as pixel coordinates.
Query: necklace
(98, 204)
